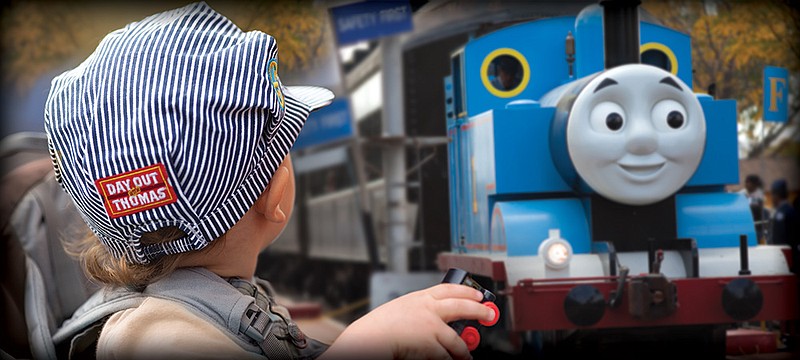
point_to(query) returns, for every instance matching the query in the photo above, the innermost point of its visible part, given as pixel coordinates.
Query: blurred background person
(754, 191)
(784, 220)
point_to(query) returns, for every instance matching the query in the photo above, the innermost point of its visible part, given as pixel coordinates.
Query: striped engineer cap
(179, 119)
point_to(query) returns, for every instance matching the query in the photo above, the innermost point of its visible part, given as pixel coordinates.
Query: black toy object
(468, 329)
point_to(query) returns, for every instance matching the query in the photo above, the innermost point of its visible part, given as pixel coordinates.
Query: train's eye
(675, 119)
(607, 117)
(614, 121)
(669, 115)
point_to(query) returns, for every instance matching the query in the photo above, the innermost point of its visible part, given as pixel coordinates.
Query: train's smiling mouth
(642, 171)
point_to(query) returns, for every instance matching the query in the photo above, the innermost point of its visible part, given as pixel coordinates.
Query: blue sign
(776, 94)
(329, 124)
(368, 20)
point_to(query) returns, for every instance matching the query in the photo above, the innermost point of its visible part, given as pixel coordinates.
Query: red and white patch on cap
(136, 191)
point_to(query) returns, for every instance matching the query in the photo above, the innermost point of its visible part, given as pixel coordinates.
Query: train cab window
(505, 73)
(458, 84)
(659, 55)
(656, 58)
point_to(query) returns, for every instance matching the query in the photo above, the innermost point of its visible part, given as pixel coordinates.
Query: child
(172, 139)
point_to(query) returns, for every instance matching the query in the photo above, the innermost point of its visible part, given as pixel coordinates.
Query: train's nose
(642, 139)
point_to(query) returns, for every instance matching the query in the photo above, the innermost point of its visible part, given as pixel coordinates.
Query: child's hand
(413, 326)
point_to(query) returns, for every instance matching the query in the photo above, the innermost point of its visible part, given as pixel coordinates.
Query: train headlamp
(556, 251)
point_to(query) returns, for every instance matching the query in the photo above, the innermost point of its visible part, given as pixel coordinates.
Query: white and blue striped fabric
(179, 119)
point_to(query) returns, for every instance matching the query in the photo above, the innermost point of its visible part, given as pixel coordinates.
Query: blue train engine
(587, 185)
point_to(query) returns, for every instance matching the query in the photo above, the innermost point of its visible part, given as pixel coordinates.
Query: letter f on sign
(776, 88)
(776, 94)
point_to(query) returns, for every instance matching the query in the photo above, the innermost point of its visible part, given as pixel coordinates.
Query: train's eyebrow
(604, 83)
(668, 80)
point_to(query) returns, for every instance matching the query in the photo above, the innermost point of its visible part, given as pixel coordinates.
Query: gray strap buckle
(256, 323)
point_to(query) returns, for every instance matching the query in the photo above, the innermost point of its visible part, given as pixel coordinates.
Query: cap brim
(314, 97)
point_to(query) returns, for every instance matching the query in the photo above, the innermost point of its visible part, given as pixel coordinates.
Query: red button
(471, 337)
(492, 306)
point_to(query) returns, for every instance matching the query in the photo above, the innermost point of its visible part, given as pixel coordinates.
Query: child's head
(171, 130)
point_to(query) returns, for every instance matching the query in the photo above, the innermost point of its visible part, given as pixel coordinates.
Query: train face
(594, 198)
(635, 134)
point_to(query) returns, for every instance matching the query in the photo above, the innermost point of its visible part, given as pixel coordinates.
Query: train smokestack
(620, 32)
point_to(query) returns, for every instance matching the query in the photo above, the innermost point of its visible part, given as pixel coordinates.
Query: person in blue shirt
(784, 220)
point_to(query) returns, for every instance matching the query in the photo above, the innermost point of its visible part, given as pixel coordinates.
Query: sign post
(383, 19)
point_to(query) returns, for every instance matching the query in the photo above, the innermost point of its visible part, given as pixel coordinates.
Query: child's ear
(269, 203)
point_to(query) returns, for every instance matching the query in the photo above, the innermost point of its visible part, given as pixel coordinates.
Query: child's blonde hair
(104, 268)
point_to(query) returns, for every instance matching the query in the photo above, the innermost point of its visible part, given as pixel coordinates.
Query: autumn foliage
(39, 37)
(732, 42)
